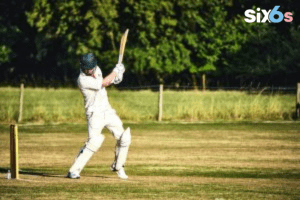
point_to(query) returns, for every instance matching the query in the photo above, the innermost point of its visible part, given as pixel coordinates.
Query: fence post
(21, 102)
(160, 102)
(298, 101)
(203, 82)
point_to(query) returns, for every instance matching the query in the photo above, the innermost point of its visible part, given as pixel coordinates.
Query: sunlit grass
(66, 105)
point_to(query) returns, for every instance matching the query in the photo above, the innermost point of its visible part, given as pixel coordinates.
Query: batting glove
(119, 69)
(118, 79)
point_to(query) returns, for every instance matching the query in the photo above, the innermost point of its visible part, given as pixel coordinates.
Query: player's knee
(117, 132)
(125, 138)
(95, 142)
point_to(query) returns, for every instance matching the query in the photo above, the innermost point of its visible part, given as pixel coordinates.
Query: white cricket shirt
(95, 96)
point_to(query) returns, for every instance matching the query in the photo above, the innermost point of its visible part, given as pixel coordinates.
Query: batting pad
(123, 148)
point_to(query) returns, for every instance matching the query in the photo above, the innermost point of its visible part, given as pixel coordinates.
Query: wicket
(14, 151)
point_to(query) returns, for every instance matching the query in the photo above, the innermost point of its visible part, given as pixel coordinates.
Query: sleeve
(90, 83)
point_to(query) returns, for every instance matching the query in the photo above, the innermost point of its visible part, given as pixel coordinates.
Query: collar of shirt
(97, 72)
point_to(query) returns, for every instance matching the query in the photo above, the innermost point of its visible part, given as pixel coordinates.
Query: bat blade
(122, 46)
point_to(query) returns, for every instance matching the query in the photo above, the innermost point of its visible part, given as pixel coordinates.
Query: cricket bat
(122, 46)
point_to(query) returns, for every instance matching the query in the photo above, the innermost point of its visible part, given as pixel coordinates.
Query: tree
(169, 41)
(16, 41)
(154, 45)
(268, 53)
(174, 36)
(208, 31)
(68, 29)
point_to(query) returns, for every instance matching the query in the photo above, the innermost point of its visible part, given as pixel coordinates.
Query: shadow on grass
(33, 172)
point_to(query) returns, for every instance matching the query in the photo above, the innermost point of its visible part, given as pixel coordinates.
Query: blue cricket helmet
(88, 61)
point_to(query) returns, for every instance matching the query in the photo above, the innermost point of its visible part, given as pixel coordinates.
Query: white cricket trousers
(109, 119)
(96, 123)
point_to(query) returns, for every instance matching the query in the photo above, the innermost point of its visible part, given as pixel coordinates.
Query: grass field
(66, 105)
(166, 161)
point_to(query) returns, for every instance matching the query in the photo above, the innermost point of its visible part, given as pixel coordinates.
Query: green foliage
(270, 54)
(207, 31)
(81, 26)
(172, 36)
(4, 54)
(158, 46)
(7, 40)
(168, 39)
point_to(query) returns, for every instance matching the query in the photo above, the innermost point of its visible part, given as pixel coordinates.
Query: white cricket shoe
(72, 175)
(121, 174)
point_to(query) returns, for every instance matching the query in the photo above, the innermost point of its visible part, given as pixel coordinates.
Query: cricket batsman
(100, 114)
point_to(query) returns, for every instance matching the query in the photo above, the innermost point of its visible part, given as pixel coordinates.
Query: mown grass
(166, 161)
(66, 105)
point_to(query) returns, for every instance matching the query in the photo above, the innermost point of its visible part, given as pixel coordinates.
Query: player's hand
(118, 79)
(119, 69)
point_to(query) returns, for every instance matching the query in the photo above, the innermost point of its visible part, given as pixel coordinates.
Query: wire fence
(161, 88)
(254, 90)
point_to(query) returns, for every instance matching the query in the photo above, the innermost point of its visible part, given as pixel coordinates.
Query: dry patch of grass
(175, 161)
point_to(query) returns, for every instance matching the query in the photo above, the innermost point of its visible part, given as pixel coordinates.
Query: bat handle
(120, 59)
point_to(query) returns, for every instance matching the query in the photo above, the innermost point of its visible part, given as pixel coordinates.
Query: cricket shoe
(73, 175)
(121, 174)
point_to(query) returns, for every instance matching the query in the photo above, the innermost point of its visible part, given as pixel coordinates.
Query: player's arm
(115, 77)
(108, 80)
(90, 82)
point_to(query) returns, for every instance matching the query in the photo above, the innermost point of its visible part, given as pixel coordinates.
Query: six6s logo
(273, 16)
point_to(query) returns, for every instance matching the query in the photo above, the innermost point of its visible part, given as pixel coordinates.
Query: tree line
(170, 41)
